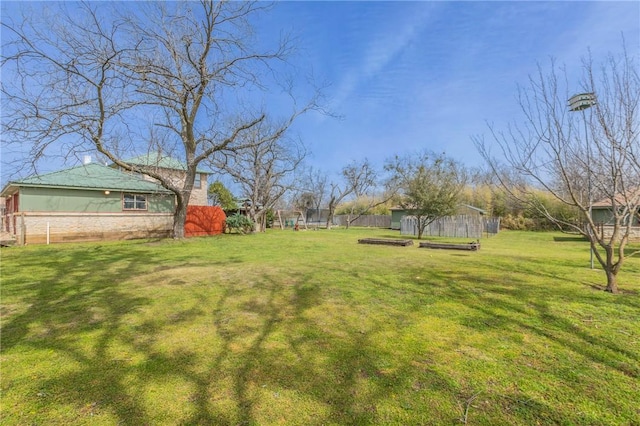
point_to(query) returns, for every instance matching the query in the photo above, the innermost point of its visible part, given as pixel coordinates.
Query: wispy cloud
(601, 32)
(382, 46)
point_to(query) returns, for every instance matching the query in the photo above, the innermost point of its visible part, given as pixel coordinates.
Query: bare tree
(304, 200)
(311, 191)
(85, 80)
(264, 170)
(356, 179)
(66, 88)
(429, 186)
(578, 158)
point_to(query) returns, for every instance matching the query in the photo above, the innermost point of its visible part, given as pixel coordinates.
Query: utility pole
(581, 102)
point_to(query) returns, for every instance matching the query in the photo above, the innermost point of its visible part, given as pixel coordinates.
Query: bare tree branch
(157, 77)
(580, 158)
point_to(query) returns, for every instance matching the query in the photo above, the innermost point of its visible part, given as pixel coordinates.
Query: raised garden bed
(386, 242)
(474, 246)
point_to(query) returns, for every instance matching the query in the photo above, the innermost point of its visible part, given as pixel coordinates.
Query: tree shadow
(284, 351)
(569, 239)
(267, 338)
(504, 307)
(80, 310)
(510, 305)
(75, 299)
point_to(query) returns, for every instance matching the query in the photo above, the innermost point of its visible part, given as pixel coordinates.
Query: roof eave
(9, 189)
(86, 188)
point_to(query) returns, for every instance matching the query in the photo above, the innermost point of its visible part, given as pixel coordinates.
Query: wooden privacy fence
(204, 220)
(464, 226)
(370, 220)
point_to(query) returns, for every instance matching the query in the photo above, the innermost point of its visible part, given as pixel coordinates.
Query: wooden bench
(474, 246)
(386, 242)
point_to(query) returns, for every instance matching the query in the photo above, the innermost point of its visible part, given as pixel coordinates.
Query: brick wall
(199, 195)
(31, 227)
(177, 177)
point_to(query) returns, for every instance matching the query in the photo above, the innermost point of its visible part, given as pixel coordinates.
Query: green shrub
(517, 223)
(239, 223)
(271, 215)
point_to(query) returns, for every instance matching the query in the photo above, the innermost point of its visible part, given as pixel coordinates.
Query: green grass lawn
(311, 328)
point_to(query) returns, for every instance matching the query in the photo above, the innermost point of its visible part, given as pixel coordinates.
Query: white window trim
(135, 202)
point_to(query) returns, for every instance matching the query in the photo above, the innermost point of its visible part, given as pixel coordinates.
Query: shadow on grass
(507, 303)
(82, 309)
(79, 309)
(284, 350)
(570, 239)
(510, 306)
(434, 287)
(269, 339)
(76, 298)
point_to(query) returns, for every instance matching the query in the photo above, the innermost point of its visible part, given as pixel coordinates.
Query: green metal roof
(155, 160)
(90, 176)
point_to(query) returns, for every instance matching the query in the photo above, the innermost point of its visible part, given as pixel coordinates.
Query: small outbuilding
(397, 213)
(602, 215)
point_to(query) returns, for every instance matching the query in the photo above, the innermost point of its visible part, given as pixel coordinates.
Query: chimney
(86, 160)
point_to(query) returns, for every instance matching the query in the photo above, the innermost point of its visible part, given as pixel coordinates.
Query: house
(602, 215)
(397, 213)
(243, 207)
(88, 202)
(175, 170)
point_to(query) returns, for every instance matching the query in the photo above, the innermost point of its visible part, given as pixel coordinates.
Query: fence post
(23, 232)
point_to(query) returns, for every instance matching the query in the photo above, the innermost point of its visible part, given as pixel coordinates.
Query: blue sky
(407, 76)
(429, 75)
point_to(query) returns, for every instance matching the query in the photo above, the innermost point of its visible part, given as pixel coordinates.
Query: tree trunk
(179, 218)
(420, 225)
(610, 269)
(612, 282)
(255, 217)
(330, 217)
(257, 223)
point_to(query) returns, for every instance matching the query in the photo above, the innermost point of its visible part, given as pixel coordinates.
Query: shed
(397, 213)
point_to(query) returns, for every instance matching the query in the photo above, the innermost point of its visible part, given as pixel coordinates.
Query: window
(134, 202)
(197, 182)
